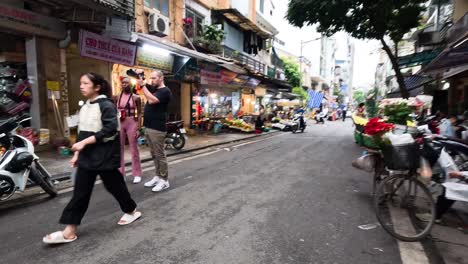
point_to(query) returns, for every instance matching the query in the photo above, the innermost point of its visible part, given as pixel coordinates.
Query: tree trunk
(400, 79)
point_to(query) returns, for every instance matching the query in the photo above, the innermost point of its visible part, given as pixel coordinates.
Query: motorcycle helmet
(19, 162)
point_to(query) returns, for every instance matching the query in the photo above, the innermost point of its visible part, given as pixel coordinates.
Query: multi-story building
(344, 69)
(304, 66)
(235, 34)
(327, 61)
(40, 60)
(442, 52)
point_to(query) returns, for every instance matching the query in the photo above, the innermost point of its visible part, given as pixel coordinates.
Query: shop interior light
(133, 81)
(446, 86)
(253, 102)
(213, 95)
(155, 49)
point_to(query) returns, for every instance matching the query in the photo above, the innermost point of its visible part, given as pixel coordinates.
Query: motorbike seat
(172, 123)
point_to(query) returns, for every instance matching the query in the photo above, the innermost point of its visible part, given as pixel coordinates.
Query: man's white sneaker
(153, 182)
(162, 185)
(136, 179)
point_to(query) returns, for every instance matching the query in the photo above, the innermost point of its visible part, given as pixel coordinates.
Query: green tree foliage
(339, 95)
(362, 19)
(303, 95)
(359, 97)
(291, 71)
(372, 106)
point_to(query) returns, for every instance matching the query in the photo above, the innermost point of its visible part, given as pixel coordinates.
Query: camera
(137, 74)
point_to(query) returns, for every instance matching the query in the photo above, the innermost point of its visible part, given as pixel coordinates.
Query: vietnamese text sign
(154, 60)
(30, 22)
(209, 77)
(102, 48)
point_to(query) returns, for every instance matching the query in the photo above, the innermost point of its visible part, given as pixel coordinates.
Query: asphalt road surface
(289, 198)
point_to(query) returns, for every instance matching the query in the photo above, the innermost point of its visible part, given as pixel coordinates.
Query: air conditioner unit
(158, 24)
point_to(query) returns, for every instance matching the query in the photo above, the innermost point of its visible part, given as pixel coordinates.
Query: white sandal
(57, 238)
(129, 218)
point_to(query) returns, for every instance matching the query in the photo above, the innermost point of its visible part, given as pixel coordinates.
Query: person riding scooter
(320, 117)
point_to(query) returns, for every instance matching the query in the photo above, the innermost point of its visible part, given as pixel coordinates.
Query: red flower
(187, 21)
(377, 126)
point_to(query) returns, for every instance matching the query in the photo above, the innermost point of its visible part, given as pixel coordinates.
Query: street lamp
(300, 57)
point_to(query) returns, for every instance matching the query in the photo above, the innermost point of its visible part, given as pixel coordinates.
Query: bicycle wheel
(404, 207)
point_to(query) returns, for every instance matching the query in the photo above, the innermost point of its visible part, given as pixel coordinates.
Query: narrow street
(290, 198)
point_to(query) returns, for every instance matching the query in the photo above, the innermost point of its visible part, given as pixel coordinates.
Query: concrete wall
(76, 66)
(176, 14)
(49, 70)
(234, 37)
(459, 9)
(185, 103)
(210, 4)
(243, 6)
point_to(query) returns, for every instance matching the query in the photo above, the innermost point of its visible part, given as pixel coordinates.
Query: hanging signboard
(30, 22)
(154, 59)
(227, 76)
(210, 78)
(102, 48)
(252, 83)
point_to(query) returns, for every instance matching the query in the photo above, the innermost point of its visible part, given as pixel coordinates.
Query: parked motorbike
(175, 135)
(299, 123)
(19, 165)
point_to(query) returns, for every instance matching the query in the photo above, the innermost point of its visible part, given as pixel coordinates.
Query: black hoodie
(99, 118)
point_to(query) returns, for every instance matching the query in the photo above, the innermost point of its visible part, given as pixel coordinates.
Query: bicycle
(404, 205)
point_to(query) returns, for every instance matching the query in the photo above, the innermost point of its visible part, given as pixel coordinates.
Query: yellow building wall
(460, 8)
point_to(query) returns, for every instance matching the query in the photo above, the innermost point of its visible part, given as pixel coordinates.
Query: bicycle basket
(401, 157)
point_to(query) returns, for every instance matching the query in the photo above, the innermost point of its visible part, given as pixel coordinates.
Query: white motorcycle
(19, 164)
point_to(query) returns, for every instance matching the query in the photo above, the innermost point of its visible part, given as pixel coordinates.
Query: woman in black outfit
(97, 152)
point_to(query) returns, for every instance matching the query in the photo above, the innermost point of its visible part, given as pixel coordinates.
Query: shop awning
(456, 53)
(236, 17)
(181, 50)
(418, 58)
(415, 85)
(176, 48)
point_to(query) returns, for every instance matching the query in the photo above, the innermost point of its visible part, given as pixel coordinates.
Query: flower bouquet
(375, 129)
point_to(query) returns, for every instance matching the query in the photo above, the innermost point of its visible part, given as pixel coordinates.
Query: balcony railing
(251, 63)
(125, 7)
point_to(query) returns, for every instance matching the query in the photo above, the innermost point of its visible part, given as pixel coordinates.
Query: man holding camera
(158, 97)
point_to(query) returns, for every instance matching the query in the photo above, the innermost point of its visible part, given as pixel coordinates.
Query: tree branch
(400, 79)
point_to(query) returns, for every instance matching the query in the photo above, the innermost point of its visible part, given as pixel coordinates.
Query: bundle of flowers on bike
(376, 128)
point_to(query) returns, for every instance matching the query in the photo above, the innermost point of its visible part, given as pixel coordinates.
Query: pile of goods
(240, 125)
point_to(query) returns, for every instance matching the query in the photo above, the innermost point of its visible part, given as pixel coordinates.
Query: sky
(366, 55)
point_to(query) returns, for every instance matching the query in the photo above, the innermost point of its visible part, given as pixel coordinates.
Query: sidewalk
(451, 237)
(58, 166)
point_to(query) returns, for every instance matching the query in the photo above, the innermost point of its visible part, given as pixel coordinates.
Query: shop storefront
(27, 71)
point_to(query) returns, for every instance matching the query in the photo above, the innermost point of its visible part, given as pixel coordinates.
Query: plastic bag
(365, 162)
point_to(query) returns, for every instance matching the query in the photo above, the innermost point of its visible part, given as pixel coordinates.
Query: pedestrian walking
(129, 106)
(97, 152)
(344, 112)
(155, 118)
